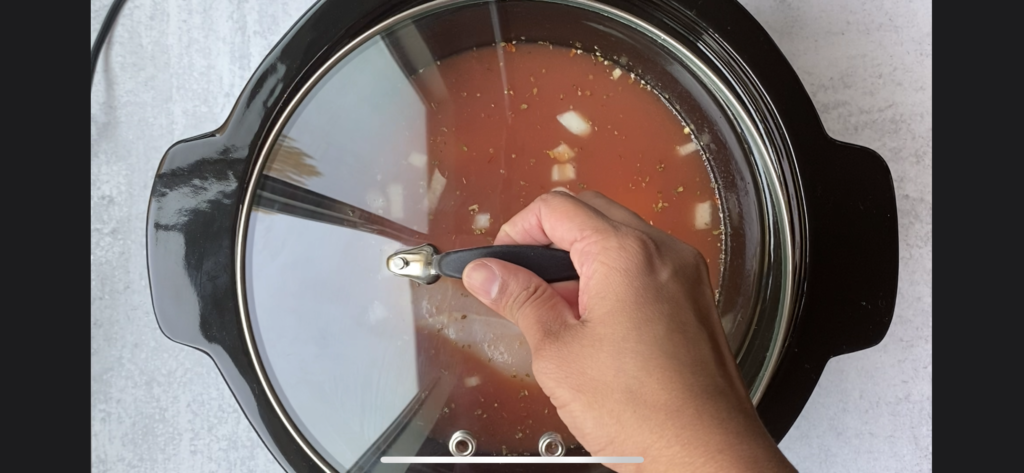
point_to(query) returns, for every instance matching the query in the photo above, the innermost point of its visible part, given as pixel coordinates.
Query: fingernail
(482, 279)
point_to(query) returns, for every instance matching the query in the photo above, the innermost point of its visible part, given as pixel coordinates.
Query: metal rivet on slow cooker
(551, 445)
(399, 263)
(462, 444)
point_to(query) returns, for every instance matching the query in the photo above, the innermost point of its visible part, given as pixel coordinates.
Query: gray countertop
(173, 69)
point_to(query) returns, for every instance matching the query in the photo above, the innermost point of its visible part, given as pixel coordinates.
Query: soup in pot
(506, 124)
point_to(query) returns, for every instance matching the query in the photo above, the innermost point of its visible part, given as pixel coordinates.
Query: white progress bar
(512, 459)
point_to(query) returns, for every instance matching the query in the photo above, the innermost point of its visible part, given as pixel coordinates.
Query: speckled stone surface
(173, 69)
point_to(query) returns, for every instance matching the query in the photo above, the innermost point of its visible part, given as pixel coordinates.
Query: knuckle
(664, 259)
(641, 246)
(549, 198)
(691, 258)
(696, 260)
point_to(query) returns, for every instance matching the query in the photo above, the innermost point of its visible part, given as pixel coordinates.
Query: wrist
(735, 444)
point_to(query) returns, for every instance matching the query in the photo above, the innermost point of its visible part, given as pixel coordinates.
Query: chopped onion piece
(562, 153)
(563, 189)
(686, 149)
(418, 159)
(616, 73)
(563, 172)
(395, 200)
(575, 123)
(482, 221)
(702, 215)
(437, 183)
(471, 381)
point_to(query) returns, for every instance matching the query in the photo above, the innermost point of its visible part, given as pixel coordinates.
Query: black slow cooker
(267, 238)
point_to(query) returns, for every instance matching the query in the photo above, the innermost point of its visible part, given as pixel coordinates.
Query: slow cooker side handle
(848, 277)
(189, 238)
(852, 246)
(192, 223)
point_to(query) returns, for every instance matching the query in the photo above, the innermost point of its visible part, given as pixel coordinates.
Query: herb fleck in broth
(505, 125)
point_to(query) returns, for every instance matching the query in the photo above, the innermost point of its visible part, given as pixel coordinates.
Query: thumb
(520, 296)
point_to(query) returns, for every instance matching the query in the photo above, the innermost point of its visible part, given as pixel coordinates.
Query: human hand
(633, 355)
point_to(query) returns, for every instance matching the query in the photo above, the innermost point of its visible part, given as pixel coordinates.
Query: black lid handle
(423, 264)
(551, 264)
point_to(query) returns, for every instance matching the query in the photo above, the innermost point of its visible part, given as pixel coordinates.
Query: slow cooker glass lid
(365, 364)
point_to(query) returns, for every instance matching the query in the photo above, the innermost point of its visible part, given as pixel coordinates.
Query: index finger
(554, 218)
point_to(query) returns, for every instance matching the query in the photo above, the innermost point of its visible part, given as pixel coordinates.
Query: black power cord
(101, 37)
